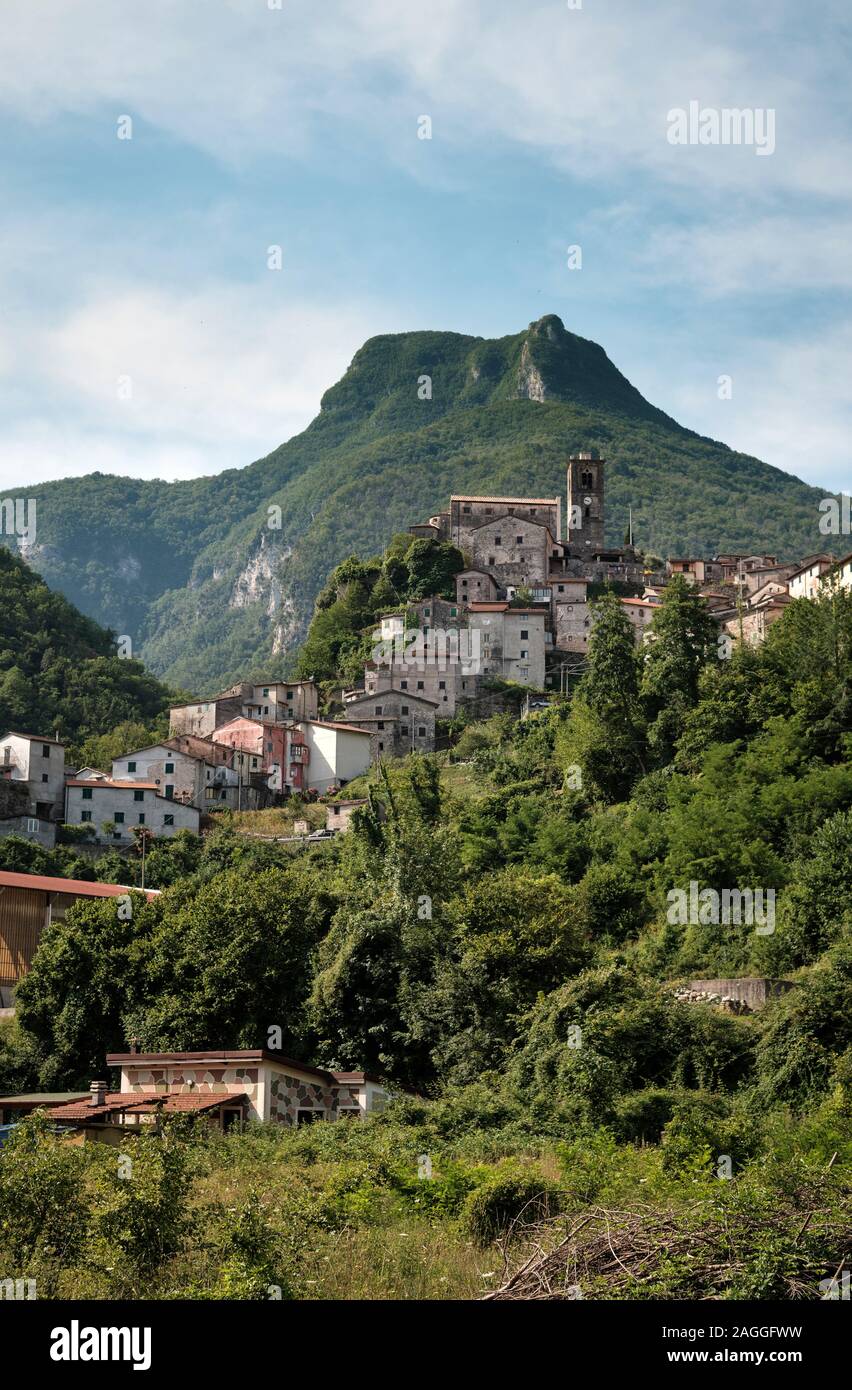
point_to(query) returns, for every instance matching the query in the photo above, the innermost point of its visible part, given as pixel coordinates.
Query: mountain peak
(549, 326)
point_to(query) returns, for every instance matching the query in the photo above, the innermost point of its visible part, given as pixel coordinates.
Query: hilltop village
(518, 625)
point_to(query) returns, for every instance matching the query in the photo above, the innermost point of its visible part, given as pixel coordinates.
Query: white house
(336, 753)
(40, 762)
(123, 805)
(272, 1087)
(806, 582)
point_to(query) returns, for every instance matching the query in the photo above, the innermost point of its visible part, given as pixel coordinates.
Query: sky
(144, 332)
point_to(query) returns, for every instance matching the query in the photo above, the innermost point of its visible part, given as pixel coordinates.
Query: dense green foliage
(60, 671)
(341, 634)
(495, 934)
(210, 592)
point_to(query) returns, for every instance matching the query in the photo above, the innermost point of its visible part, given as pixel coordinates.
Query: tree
(605, 732)
(684, 636)
(225, 964)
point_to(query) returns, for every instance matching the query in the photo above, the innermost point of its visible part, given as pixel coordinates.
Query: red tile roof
(526, 501)
(147, 1103)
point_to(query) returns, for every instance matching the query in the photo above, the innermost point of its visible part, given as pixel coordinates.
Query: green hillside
(59, 671)
(209, 592)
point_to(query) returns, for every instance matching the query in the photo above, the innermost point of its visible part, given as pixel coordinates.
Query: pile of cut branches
(702, 1251)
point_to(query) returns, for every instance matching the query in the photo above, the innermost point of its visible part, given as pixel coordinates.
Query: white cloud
(790, 401)
(589, 89)
(218, 377)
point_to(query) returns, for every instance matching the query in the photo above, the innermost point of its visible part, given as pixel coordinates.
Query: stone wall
(752, 991)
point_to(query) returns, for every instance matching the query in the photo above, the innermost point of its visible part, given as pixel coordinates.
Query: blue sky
(142, 332)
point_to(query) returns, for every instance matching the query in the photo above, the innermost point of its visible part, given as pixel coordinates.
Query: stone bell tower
(585, 522)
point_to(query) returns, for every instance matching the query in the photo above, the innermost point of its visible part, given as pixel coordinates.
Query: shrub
(507, 1202)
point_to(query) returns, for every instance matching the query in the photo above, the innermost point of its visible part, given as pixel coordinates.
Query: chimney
(98, 1091)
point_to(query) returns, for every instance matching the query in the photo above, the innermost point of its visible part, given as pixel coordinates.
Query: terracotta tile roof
(79, 1110)
(75, 886)
(110, 783)
(186, 1102)
(147, 1103)
(488, 607)
(525, 501)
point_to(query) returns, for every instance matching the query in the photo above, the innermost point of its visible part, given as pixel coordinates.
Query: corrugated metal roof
(76, 886)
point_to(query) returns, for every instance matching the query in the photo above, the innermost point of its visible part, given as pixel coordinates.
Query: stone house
(398, 722)
(177, 775)
(40, 763)
(468, 513)
(338, 814)
(511, 642)
(273, 701)
(640, 612)
(476, 586)
(516, 551)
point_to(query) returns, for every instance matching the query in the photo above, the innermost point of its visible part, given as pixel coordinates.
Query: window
(381, 724)
(464, 586)
(168, 820)
(498, 540)
(119, 818)
(289, 694)
(491, 559)
(307, 1117)
(442, 685)
(381, 747)
(85, 816)
(403, 728)
(524, 655)
(419, 685)
(266, 709)
(45, 750)
(519, 540)
(170, 791)
(269, 747)
(561, 588)
(45, 777)
(138, 796)
(168, 767)
(141, 819)
(465, 509)
(378, 709)
(403, 709)
(87, 793)
(454, 612)
(422, 731)
(524, 634)
(131, 767)
(403, 685)
(427, 612)
(266, 693)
